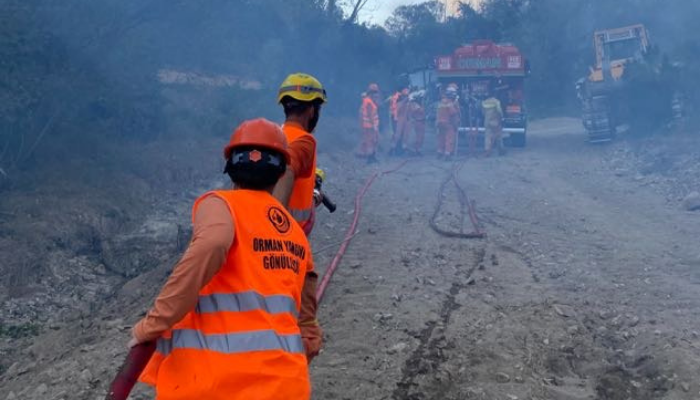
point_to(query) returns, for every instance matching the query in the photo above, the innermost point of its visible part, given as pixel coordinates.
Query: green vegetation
(77, 76)
(19, 331)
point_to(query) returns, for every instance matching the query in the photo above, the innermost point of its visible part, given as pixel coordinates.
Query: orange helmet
(373, 87)
(258, 133)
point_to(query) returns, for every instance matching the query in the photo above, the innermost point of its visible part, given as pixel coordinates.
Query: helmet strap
(255, 156)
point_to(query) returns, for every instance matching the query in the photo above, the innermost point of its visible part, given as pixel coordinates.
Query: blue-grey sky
(379, 10)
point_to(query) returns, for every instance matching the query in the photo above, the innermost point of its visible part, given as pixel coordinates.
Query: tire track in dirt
(428, 355)
(397, 275)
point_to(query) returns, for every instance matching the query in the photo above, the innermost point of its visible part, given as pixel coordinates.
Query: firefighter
(301, 97)
(454, 88)
(448, 121)
(416, 115)
(400, 136)
(393, 108)
(369, 123)
(233, 318)
(493, 124)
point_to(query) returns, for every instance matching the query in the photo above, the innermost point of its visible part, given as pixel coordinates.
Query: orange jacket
(447, 114)
(369, 114)
(301, 202)
(242, 340)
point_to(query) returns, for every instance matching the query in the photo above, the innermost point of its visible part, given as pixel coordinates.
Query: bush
(19, 331)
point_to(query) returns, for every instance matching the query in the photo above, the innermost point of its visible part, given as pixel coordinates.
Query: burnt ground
(586, 286)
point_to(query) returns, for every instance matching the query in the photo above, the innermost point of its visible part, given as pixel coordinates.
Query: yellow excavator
(615, 49)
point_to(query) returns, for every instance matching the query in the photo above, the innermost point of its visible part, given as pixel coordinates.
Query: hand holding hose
(319, 196)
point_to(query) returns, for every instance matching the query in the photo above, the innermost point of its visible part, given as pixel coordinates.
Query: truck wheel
(518, 139)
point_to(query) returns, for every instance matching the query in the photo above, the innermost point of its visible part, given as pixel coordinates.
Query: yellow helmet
(301, 87)
(321, 174)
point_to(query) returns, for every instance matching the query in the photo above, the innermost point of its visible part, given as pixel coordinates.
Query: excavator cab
(616, 47)
(614, 50)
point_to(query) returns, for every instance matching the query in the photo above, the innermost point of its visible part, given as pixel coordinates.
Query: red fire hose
(351, 231)
(130, 371)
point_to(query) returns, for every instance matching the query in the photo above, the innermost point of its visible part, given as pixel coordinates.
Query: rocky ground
(586, 286)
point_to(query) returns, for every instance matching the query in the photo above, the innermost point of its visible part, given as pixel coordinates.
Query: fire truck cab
(485, 68)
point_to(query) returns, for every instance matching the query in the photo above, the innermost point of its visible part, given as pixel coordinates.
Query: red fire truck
(485, 67)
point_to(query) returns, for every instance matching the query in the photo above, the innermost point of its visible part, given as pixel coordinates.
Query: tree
(412, 20)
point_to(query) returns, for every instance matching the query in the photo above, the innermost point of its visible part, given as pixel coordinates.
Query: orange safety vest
(370, 116)
(301, 202)
(242, 340)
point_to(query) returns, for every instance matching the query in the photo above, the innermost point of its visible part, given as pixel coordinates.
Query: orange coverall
(416, 113)
(369, 122)
(447, 125)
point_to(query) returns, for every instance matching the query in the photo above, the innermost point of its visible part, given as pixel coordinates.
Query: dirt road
(587, 287)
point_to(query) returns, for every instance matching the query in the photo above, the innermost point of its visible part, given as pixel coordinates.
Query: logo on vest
(279, 220)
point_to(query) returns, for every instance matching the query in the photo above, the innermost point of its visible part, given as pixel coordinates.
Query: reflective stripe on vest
(242, 336)
(230, 343)
(370, 118)
(246, 301)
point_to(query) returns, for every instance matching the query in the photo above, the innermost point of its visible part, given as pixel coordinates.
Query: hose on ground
(465, 204)
(321, 290)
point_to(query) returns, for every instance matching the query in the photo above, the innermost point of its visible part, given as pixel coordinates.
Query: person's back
(368, 111)
(447, 113)
(301, 97)
(493, 113)
(493, 117)
(447, 124)
(243, 341)
(229, 322)
(301, 204)
(369, 124)
(398, 140)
